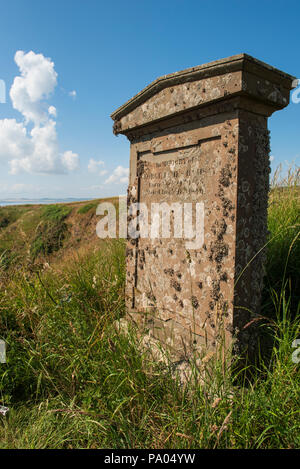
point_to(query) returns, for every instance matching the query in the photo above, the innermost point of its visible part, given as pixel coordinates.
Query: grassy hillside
(45, 232)
(73, 380)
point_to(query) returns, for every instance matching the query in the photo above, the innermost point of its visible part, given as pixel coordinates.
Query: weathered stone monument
(200, 149)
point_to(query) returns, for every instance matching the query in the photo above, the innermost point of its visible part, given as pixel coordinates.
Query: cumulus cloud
(37, 81)
(14, 142)
(119, 176)
(73, 94)
(35, 150)
(94, 165)
(70, 160)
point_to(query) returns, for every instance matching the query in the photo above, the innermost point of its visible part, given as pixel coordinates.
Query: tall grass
(51, 231)
(283, 257)
(74, 380)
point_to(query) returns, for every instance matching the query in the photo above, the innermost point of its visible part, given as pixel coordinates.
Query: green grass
(283, 256)
(9, 215)
(55, 213)
(73, 380)
(86, 208)
(51, 231)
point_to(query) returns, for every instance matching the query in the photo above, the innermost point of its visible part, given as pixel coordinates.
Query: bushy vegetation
(75, 380)
(86, 208)
(9, 215)
(51, 231)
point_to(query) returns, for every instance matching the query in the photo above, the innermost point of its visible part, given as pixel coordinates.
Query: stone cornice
(241, 62)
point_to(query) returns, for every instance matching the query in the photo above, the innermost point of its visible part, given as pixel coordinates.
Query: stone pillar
(200, 137)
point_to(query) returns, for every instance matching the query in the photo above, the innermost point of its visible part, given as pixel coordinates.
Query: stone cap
(197, 86)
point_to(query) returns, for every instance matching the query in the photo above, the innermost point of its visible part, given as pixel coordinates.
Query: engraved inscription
(173, 176)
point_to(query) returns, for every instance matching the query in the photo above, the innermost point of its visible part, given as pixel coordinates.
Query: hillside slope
(46, 233)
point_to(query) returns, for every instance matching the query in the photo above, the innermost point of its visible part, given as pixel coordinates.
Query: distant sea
(45, 200)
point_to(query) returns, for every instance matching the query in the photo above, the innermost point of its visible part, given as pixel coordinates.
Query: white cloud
(14, 142)
(35, 150)
(93, 165)
(73, 94)
(52, 111)
(119, 176)
(37, 81)
(70, 160)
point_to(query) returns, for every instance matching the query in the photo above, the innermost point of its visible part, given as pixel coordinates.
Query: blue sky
(94, 55)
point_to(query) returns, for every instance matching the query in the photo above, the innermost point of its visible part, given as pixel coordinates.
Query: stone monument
(200, 154)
